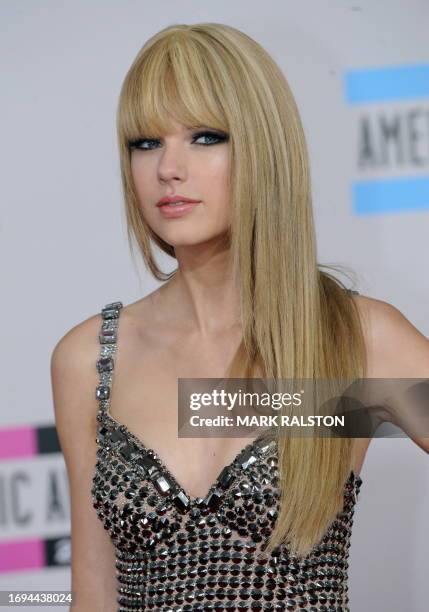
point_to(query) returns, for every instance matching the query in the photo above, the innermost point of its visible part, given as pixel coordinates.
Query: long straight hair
(298, 321)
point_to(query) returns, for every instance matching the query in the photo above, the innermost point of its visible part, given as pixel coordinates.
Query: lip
(176, 198)
(171, 212)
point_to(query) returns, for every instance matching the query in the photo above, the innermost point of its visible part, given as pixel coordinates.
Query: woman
(206, 116)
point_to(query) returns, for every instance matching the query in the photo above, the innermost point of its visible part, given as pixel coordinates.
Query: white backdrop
(64, 254)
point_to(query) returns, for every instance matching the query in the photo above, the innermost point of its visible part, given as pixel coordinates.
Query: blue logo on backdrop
(392, 138)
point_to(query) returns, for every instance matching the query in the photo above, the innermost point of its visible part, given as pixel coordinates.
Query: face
(190, 163)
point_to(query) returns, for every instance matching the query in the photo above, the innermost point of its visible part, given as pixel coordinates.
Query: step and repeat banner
(360, 75)
(34, 500)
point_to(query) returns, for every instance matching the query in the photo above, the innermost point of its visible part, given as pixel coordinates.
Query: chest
(144, 397)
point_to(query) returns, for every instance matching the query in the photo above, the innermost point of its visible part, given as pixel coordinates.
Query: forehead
(178, 127)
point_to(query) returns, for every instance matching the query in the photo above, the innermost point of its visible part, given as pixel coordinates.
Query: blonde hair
(298, 322)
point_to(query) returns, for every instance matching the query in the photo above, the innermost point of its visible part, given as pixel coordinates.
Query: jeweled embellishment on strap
(106, 364)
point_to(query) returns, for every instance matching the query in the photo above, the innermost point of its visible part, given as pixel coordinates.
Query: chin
(191, 241)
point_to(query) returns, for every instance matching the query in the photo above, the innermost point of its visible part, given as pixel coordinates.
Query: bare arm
(74, 379)
(398, 350)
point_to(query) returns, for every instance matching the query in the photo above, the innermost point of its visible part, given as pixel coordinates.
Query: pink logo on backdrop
(31, 553)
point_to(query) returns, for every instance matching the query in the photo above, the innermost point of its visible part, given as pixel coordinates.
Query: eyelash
(136, 144)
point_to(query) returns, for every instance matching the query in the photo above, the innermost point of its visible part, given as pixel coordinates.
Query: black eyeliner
(222, 137)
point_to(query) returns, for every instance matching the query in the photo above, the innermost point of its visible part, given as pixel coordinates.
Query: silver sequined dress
(176, 552)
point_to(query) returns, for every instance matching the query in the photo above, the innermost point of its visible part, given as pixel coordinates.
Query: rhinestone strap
(105, 364)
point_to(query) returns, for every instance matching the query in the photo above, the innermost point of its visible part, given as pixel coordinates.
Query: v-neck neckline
(141, 446)
(148, 450)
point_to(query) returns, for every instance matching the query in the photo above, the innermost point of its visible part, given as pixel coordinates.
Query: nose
(172, 163)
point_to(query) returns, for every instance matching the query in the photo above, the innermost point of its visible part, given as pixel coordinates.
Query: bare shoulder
(74, 357)
(77, 347)
(80, 345)
(76, 352)
(78, 337)
(396, 348)
(74, 378)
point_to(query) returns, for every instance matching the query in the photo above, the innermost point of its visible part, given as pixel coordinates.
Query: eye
(146, 144)
(217, 137)
(138, 144)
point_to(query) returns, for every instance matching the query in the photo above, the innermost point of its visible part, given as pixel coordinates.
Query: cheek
(217, 180)
(145, 188)
(140, 181)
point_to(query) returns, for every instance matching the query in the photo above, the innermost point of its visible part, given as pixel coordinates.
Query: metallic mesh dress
(176, 552)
